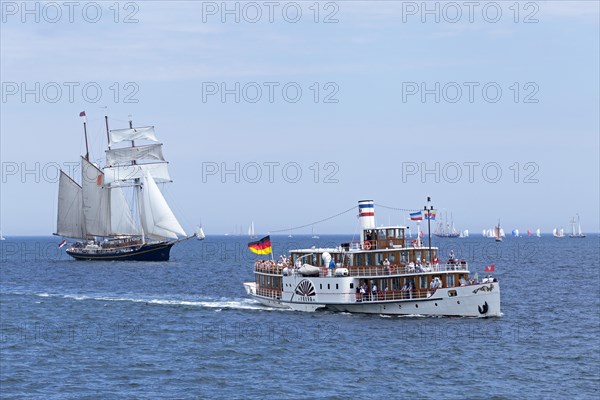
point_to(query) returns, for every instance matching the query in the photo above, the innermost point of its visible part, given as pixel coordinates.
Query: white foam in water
(241, 304)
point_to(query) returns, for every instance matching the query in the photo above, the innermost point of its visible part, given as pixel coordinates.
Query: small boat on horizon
(445, 227)
(498, 233)
(251, 232)
(558, 233)
(578, 233)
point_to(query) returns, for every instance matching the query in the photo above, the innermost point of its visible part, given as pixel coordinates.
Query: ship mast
(107, 131)
(428, 210)
(87, 151)
(137, 191)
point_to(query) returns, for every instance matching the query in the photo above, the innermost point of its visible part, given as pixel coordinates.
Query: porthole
(457, 301)
(416, 305)
(436, 304)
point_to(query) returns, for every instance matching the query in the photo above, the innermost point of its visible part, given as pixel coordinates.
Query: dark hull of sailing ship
(145, 252)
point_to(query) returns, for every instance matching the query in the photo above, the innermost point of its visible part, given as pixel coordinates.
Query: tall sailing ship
(97, 213)
(576, 233)
(384, 273)
(445, 227)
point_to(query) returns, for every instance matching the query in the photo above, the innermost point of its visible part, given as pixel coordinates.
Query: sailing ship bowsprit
(97, 213)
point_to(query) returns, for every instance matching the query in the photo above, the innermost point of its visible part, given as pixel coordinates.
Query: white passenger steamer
(384, 273)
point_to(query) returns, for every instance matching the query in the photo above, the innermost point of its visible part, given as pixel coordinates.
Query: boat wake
(209, 303)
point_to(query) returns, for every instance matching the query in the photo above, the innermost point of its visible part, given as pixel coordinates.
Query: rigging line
(395, 208)
(313, 223)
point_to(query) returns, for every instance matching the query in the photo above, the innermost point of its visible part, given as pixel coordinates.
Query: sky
(286, 113)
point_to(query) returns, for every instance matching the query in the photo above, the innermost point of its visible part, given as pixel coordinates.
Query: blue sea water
(185, 329)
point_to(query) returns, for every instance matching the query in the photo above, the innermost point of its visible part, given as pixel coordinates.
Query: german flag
(262, 246)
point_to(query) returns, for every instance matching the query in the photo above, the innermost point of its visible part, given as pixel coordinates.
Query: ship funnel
(366, 216)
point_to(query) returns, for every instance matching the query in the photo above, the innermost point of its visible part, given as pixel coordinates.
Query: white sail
(121, 220)
(538, 233)
(251, 230)
(158, 171)
(70, 213)
(157, 218)
(200, 233)
(95, 200)
(142, 133)
(137, 153)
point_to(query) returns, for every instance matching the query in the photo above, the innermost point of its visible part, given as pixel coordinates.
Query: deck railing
(388, 295)
(277, 269)
(268, 292)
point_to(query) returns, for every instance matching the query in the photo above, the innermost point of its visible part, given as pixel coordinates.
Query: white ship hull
(478, 300)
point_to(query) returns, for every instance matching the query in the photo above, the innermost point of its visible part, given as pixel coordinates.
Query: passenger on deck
(386, 266)
(404, 290)
(374, 292)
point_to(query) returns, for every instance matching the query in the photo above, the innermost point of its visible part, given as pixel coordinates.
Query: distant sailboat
(538, 233)
(464, 234)
(558, 233)
(445, 227)
(313, 233)
(498, 233)
(251, 232)
(1, 237)
(200, 233)
(575, 234)
(528, 232)
(515, 233)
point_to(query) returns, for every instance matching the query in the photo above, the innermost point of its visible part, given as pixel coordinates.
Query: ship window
(449, 280)
(351, 285)
(423, 282)
(368, 259)
(392, 258)
(379, 257)
(320, 286)
(337, 286)
(451, 293)
(328, 286)
(404, 256)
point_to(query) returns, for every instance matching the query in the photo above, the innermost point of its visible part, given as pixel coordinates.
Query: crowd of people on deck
(270, 265)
